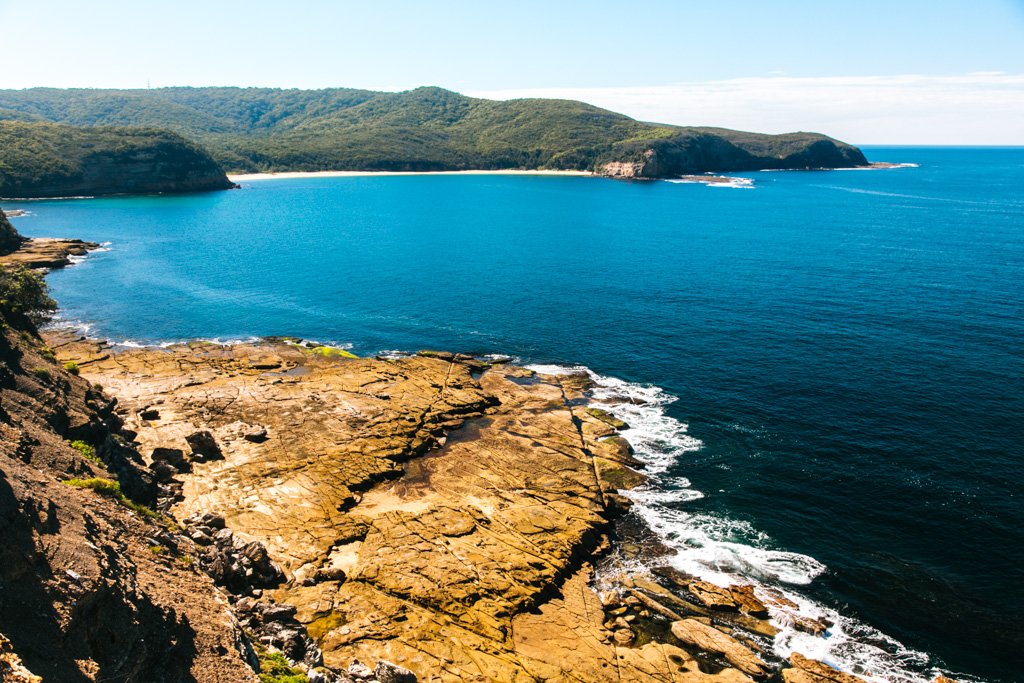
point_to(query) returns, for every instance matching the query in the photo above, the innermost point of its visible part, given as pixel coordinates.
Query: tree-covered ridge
(39, 159)
(268, 129)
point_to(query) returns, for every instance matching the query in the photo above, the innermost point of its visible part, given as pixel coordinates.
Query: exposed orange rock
(806, 670)
(426, 510)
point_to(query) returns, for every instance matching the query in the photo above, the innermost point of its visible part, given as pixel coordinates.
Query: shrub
(72, 367)
(104, 487)
(24, 294)
(275, 667)
(43, 374)
(87, 451)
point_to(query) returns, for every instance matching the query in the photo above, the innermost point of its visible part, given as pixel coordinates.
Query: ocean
(825, 370)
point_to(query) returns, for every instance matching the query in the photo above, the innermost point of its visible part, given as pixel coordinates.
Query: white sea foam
(716, 181)
(726, 551)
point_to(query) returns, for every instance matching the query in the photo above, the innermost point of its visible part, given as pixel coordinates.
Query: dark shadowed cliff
(94, 585)
(51, 160)
(10, 239)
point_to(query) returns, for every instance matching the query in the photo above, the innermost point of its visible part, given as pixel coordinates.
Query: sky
(866, 71)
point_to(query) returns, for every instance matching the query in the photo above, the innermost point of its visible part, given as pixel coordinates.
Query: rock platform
(430, 510)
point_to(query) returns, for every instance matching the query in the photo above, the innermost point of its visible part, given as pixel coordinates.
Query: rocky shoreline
(431, 517)
(434, 511)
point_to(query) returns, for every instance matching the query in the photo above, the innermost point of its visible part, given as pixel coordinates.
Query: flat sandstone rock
(423, 512)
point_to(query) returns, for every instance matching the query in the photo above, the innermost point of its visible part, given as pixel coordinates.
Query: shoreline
(677, 597)
(248, 177)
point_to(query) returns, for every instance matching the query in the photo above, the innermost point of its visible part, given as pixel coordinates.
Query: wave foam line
(725, 552)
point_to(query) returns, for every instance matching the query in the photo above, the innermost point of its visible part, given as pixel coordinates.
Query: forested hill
(39, 159)
(261, 129)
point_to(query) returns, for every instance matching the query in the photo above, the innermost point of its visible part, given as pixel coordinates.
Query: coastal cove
(843, 346)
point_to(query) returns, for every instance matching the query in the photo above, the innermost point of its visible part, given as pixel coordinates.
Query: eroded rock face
(426, 511)
(10, 239)
(710, 639)
(91, 589)
(695, 150)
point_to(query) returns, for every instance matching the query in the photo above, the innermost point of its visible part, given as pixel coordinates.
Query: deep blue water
(848, 345)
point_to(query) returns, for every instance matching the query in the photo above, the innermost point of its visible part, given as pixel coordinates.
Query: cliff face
(10, 239)
(90, 588)
(722, 151)
(48, 160)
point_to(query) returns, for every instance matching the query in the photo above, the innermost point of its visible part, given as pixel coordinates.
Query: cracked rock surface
(430, 511)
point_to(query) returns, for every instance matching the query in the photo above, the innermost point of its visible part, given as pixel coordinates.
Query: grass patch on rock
(87, 452)
(112, 489)
(275, 667)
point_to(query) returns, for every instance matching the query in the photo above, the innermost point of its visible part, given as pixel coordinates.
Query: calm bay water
(847, 346)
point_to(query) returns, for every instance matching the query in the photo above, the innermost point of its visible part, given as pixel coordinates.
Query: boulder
(387, 672)
(174, 457)
(256, 435)
(204, 446)
(806, 670)
(710, 639)
(748, 602)
(712, 596)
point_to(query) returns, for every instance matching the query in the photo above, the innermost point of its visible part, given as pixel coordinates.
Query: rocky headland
(40, 159)
(287, 511)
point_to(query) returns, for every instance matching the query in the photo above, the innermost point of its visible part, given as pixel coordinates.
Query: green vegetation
(87, 451)
(104, 487)
(46, 159)
(24, 295)
(112, 489)
(72, 367)
(426, 129)
(330, 352)
(275, 667)
(43, 374)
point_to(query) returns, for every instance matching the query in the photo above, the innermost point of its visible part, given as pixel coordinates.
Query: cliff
(721, 151)
(10, 239)
(50, 160)
(424, 129)
(83, 594)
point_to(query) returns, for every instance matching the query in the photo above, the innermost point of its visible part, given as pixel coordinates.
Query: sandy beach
(247, 177)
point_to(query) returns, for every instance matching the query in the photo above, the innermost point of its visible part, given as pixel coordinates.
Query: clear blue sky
(490, 47)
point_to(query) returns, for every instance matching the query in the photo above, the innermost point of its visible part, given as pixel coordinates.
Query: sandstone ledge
(432, 510)
(45, 252)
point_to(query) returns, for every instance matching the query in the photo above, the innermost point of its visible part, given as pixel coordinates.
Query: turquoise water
(846, 349)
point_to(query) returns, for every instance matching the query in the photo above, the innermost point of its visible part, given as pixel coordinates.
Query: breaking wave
(724, 551)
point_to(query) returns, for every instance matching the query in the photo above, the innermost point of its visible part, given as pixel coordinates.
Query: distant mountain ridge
(426, 129)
